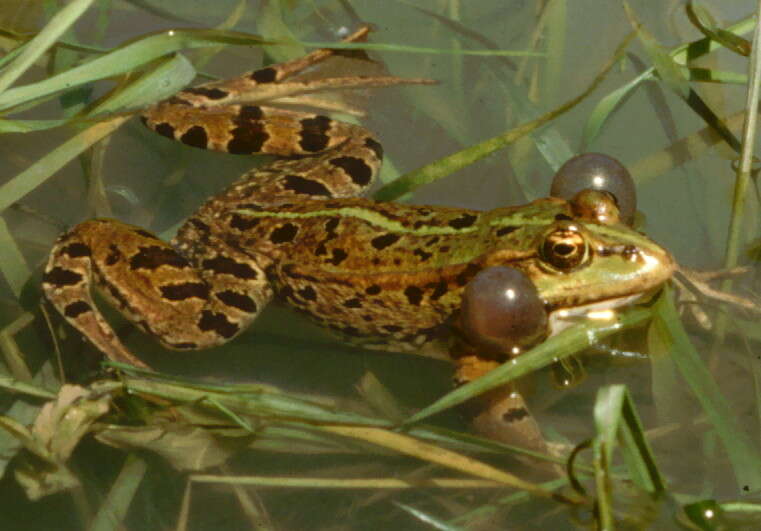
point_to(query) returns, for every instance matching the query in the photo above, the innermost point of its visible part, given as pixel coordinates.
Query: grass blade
(56, 27)
(743, 454)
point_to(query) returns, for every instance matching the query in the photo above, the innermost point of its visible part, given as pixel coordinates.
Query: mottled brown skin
(383, 274)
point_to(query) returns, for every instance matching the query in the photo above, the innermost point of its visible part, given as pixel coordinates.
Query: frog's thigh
(153, 286)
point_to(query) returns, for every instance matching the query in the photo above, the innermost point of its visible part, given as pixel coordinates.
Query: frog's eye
(564, 248)
(597, 172)
(501, 312)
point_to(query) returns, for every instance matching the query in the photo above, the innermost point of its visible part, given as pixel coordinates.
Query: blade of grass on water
(125, 59)
(465, 157)
(56, 27)
(742, 453)
(615, 414)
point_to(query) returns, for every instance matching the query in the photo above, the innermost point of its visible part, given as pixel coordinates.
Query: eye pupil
(564, 249)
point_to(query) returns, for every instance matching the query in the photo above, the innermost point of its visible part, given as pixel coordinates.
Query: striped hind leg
(153, 286)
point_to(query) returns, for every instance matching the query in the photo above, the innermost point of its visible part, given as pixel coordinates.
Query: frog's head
(577, 255)
(594, 258)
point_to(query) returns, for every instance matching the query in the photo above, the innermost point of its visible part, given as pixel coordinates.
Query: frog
(429, 280)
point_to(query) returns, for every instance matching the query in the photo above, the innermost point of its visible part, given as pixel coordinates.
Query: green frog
(423, 279)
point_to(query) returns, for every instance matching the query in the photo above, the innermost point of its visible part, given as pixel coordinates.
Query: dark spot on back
(466, 274)
(375, 147)
(250, 113)
(76, 250)
(211, 93)
(313, 133)
(264, 75)
(439, 290)
(300, 185)
(423, 255)
(75, 309)
(563, 217)
(353, 303)
(331, 225)
(373, 290)
(356, 168)
(506, 230)
(237, 300)
(384, 240)
(249, 135)
(308, 293)
(177, 100)
(164, 129)
(227, 266)
(154, 256)
(184, 291)
(217, 322)
(243, 223)
(414, 295)
(339, 255)
(59, 276)
(464, 221)
(284, 233)
(114, 255)
(196, 137)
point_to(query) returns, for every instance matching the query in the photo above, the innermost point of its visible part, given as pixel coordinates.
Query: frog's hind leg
(153, 286)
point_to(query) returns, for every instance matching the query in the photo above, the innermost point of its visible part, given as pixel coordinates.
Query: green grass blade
(616, 419)
(57, 25)
(456, 161)
(124, 59)
(664, 64)
(743, 454)
(608, 104)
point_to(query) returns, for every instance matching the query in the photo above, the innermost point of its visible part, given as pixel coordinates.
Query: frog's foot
(693, 285)
(239, 115)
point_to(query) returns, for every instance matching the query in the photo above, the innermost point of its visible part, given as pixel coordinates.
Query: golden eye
(565, 249)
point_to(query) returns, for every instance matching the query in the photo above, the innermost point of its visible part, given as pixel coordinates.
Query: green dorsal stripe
(367, 215)
(379, 220)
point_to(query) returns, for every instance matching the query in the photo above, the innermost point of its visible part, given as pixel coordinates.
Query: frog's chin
(603, 310)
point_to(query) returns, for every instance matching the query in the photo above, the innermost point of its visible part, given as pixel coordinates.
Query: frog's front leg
(500, 414)
(186, 304)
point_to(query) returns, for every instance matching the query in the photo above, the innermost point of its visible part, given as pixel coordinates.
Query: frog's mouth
(563, 318)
